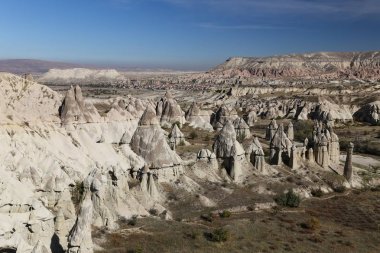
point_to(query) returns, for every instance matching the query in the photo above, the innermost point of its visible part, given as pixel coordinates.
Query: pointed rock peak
(228, 127)
(149, 117)
(176, 130)
(329, 116)
(290, 124)
(257, 142)
(281, 128)
(240, 123)
(273, 124)
(40, 248)
(79, 96)
(168, 94)
(146, 169)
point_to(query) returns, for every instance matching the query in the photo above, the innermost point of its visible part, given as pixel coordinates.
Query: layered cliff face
(315, 66)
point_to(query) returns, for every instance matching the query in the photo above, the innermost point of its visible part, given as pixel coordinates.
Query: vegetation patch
(218, 235)
(289, 199)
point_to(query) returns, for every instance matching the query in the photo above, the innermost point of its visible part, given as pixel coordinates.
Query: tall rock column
(348, 166)
(290, 132)
(294, 158)
(271, 130)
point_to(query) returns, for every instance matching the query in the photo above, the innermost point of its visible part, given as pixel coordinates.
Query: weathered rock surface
(176, 138)
(221, 116)
(230, 151)
(369, 113)
(241, 129)
(168, 111)
(198, 118)
(74, 108)
(306, 66)
(150, 143)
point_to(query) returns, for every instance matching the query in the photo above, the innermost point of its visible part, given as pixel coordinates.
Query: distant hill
(19, 66)
(313, 65)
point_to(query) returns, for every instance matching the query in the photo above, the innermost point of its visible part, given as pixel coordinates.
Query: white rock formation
(230, 151)
(252, 118)
(75, 110)
(369, 113)
(255, 155)
(241, 129)
(221, 116)
(198, 118)
(176, 138)
(169, 112)
(150, 143)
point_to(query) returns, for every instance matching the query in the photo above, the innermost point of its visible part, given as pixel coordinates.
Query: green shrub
(153, 212)
(181, 143)
(193, 135)
(207, 138)
(133, 221)
(339, 189)
(289, 199)
(218, 235)
(317, 193)
(302, 129)
(225, 214)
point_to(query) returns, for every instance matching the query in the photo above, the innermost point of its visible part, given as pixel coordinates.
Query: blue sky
(182, 34)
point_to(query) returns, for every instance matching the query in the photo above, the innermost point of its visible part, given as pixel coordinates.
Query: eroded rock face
(279, 144)
(325, 145)
(198, 118)
(242, 129)
(255, 154)
(221, 116)
(27, 101)
(290, 131)
(176, 138)
(271, 130)
(75, 110)
(150, 143)
(230, 151)
(369, 113)
(169, 112)
(252, 118)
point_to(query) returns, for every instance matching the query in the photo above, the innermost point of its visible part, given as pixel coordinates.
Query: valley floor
(340, 222)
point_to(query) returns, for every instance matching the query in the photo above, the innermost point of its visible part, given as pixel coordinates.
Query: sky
(182, 34)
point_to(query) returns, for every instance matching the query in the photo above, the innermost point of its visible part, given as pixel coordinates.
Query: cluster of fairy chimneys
(323, 148)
